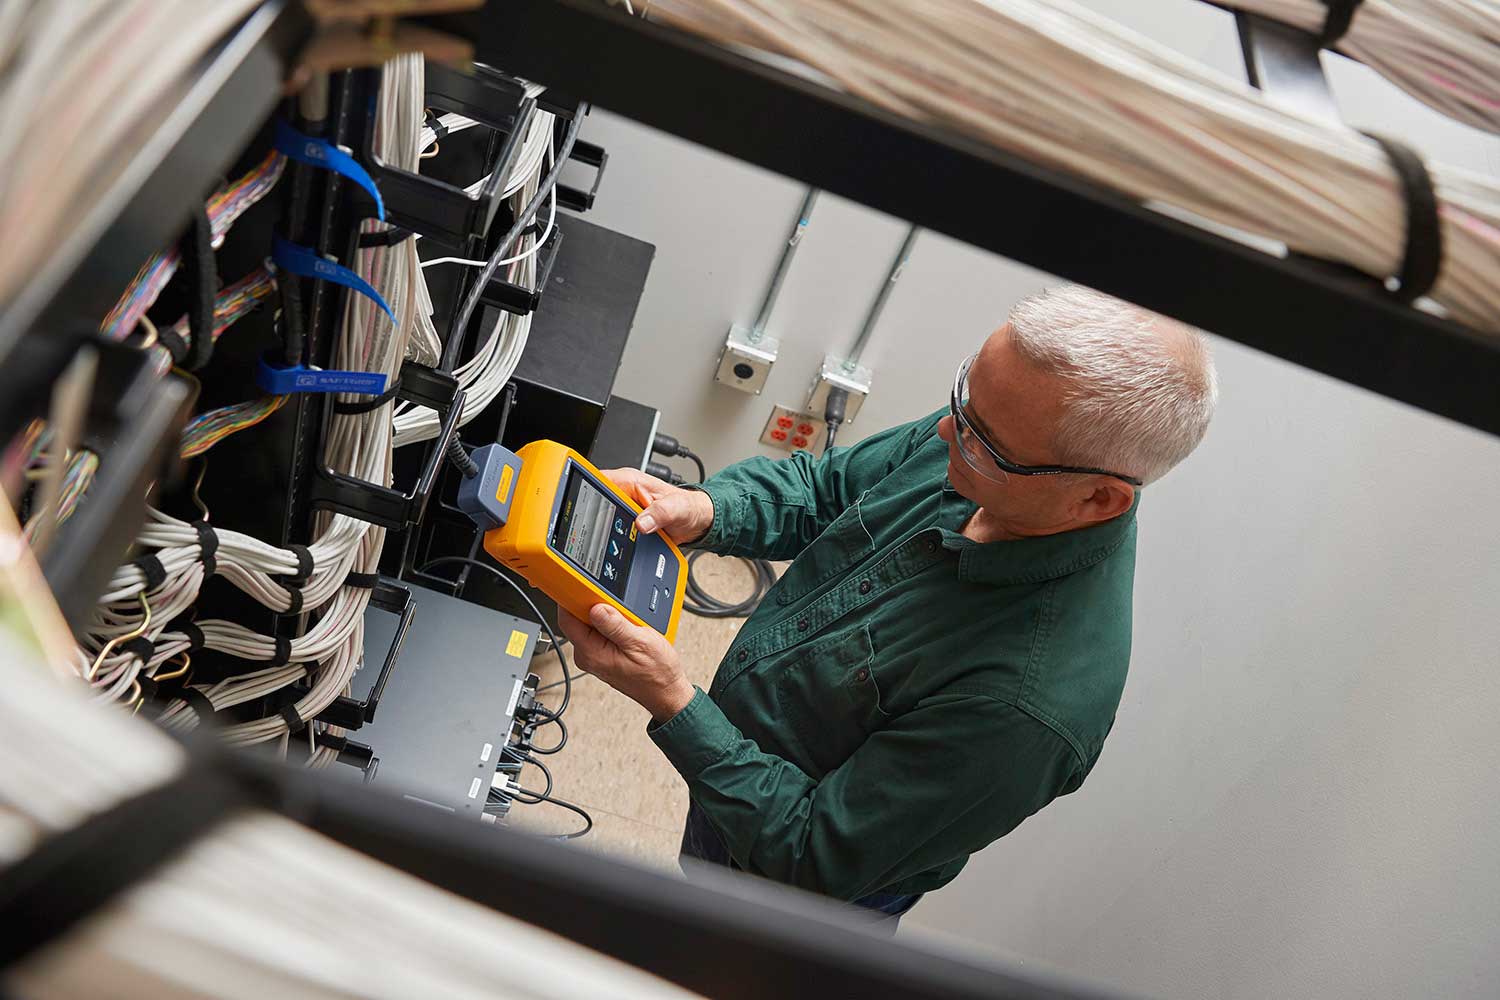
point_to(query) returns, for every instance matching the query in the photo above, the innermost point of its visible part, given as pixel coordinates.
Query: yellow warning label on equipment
(517, 644)
(503, 492)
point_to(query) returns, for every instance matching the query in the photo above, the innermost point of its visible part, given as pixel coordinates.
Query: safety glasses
(982, 457)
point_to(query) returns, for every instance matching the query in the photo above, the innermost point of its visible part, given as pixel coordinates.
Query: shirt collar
(1028, 560)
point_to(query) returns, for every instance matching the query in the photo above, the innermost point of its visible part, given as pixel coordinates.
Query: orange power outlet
(779, 435)
(799, 441)
(785, 423)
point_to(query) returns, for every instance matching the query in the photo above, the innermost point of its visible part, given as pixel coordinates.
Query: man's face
(1018, 408)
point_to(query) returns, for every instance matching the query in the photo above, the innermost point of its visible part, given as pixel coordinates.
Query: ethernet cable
(1063, 87)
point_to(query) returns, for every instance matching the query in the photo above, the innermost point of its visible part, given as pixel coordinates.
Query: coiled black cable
(700, 602)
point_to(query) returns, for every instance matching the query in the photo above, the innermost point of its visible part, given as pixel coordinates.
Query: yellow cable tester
(552, 517)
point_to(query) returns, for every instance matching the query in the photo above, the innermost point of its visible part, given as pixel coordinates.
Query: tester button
(654, 593)
(661, 567)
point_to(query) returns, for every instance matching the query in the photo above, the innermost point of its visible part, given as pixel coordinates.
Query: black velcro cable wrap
(149, 687)
(304, 566)
(283, 652)
(293, 601)
(439, 130)
(175, 345)
(293, 719)
(366, 405)
(77, 872)
(208, 542)
(365, 581)
(200, 268)
(154, 572)
(140, 647)
(1422, 257)
(199, 703)
(187, 627)
(1336, 24)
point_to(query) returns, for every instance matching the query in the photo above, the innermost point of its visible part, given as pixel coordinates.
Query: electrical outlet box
(792, 430)
(745, 364)
(853, 379)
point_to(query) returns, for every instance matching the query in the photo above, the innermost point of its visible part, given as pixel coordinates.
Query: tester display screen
(595, 533)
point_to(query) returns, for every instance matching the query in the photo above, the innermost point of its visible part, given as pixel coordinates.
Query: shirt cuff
(723, 532)
(696, 737)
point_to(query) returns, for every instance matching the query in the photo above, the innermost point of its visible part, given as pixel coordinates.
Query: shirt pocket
(827, 696)
(843, 544)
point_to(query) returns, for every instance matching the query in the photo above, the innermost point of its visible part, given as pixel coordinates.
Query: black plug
(664, 472)
(833, 411)
(460, 459)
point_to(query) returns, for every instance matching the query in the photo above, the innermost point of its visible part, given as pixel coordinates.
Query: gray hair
(1142, 388)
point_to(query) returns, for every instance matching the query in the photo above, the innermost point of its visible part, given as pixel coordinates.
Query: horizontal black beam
(1339, 324)
(164, 169)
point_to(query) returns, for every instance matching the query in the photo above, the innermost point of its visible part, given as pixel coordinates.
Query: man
(946, 653)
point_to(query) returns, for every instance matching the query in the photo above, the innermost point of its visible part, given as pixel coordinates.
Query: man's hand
(636, 661)
(685, 515)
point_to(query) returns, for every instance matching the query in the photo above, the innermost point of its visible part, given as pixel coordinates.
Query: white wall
(1302, 792)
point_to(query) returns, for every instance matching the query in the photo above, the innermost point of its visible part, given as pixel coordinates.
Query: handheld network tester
(552, 517)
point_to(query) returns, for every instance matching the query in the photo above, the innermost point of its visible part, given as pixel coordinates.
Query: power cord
(705, 605)
(667, 445)
(833, 411)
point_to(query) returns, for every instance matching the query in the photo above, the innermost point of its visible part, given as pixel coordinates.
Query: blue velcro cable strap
(298, 259)
(281, 381)
(322, 153)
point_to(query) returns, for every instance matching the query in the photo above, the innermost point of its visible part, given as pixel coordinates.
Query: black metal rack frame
(1317, 317)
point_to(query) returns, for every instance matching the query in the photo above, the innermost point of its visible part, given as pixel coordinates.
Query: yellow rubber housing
(521, 543)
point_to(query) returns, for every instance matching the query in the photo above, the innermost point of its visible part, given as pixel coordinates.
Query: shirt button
(802, 625)
(931, 545)
(862, 674)
(864, 586)
(740, 656)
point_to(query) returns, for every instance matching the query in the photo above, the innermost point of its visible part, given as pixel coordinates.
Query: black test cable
(562, 660)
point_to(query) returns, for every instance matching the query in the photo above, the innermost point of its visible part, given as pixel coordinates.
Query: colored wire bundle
(208, 429)
(224, 208)
(1066, 88)
(1445, 53)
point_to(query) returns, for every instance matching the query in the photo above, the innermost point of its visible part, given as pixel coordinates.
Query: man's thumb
(663, 513)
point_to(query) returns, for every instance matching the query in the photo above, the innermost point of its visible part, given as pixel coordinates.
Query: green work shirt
(903, 696)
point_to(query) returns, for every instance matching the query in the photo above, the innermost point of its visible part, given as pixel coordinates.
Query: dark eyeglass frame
(964, 426)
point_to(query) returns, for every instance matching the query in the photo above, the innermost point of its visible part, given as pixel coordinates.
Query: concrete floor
(610, 766)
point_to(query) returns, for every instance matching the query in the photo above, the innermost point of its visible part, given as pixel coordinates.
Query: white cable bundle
(1445, 53)
(237, 914)
(485, 374)
(75, 78)
(357, 444)
(1057, 84)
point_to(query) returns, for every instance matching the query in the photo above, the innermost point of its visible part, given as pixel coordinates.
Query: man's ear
(1109, 499)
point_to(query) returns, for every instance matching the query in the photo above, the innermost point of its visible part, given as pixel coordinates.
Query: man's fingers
(673, 511)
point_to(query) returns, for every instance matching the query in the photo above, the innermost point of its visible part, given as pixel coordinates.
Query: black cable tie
(140, 647)
(188, 628)
(167, 337)
(283, 651)
(294, 721)
(155, 572)
(385, 237)
(293, 601)
(149, 687)
(439, 130)
(366, 405)
(199, 703)
(208, 545)
(365, 581)
(304, 566)
(1336, 24)
(1422, 257)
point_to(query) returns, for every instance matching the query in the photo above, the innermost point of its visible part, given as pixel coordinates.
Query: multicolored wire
(233, 302)
(226, 205)
(208, 429)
